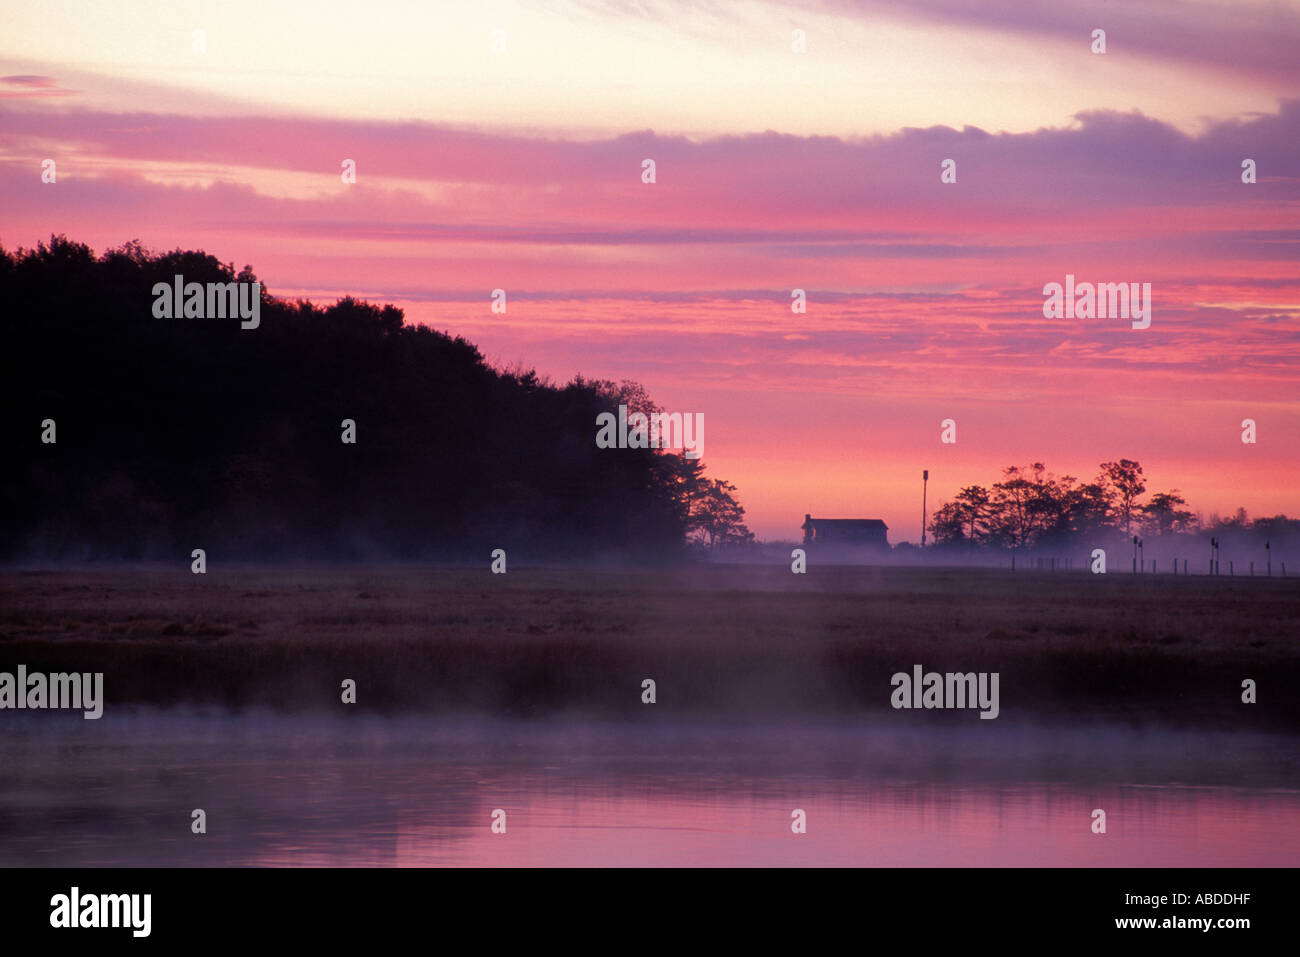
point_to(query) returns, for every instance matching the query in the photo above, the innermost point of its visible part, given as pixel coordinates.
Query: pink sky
(776, 170)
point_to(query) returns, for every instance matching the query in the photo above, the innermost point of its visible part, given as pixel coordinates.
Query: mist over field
(527, 691)
(745, 642)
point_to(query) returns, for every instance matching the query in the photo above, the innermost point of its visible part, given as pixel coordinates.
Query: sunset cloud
(30, 86)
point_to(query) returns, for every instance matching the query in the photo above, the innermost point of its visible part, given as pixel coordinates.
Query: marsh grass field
(523, 692)
(721, 641)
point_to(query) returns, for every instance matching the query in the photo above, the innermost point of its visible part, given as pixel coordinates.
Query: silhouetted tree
(181, 433)
(1125, 479)
(973, 508)
(949, 524)
(1163, 516)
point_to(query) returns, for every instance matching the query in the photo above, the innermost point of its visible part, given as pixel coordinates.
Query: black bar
(485, 908)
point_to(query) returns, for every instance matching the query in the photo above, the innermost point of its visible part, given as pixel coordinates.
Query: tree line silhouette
(173, 434)
(1031, 507)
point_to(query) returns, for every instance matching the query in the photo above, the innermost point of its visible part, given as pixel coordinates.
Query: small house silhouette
(845, 531)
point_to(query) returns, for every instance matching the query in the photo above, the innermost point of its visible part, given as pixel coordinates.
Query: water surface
(290, 791)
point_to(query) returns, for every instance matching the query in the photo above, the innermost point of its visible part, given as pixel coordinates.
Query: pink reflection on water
(889, 827)
(306, 791)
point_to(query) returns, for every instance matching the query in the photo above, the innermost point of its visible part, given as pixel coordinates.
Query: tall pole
(925, 481)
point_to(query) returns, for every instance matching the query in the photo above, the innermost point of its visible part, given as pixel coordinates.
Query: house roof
(863, 523)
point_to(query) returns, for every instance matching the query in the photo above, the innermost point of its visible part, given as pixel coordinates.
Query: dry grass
(732, 641)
